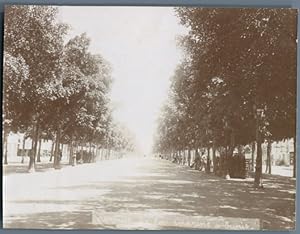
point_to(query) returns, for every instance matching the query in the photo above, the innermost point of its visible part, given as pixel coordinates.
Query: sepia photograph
(149, 118)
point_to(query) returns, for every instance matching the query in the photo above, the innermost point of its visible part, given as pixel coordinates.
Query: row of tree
(236, 85)
(53, 88)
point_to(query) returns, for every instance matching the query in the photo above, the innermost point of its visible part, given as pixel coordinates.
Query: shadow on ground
(17, 168)
(168, 187)
(53, 220)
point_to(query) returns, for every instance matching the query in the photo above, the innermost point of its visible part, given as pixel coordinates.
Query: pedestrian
(74, 158)
(60, 154)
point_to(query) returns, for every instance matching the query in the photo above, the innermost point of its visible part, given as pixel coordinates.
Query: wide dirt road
(144, 193)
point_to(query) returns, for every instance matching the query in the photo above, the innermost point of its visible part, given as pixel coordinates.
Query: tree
(86, 81)
(228, 101)
(32, 33)
(15, 74)
(58, 90)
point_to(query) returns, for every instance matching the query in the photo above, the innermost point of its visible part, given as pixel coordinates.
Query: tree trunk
(55, 151)
(252, 155)
(295, 159)
(224, 161)
(52, 150)
(269, 159)
(74, 154)
(32, 145)
(181, 152)
(5, 147)
(23, 150)
(56, 163)
(96, 153)
(267, 164)
(189, 157)
(108, 155)
(71, 152)
(229, 154)
(38, 159)
(61, 152)
(81, 153)
(31, 166)
(232, 143)
(214, 158)
(208, 161)
(90, 153)
(258, 167)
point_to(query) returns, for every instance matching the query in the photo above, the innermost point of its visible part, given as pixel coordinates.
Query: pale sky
(141, 46)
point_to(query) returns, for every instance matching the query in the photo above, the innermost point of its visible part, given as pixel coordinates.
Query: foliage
(58, 90)
(236, 61)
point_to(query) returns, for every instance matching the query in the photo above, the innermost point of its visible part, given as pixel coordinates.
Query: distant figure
(60, 155)
(74, 158)
(144, 155)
